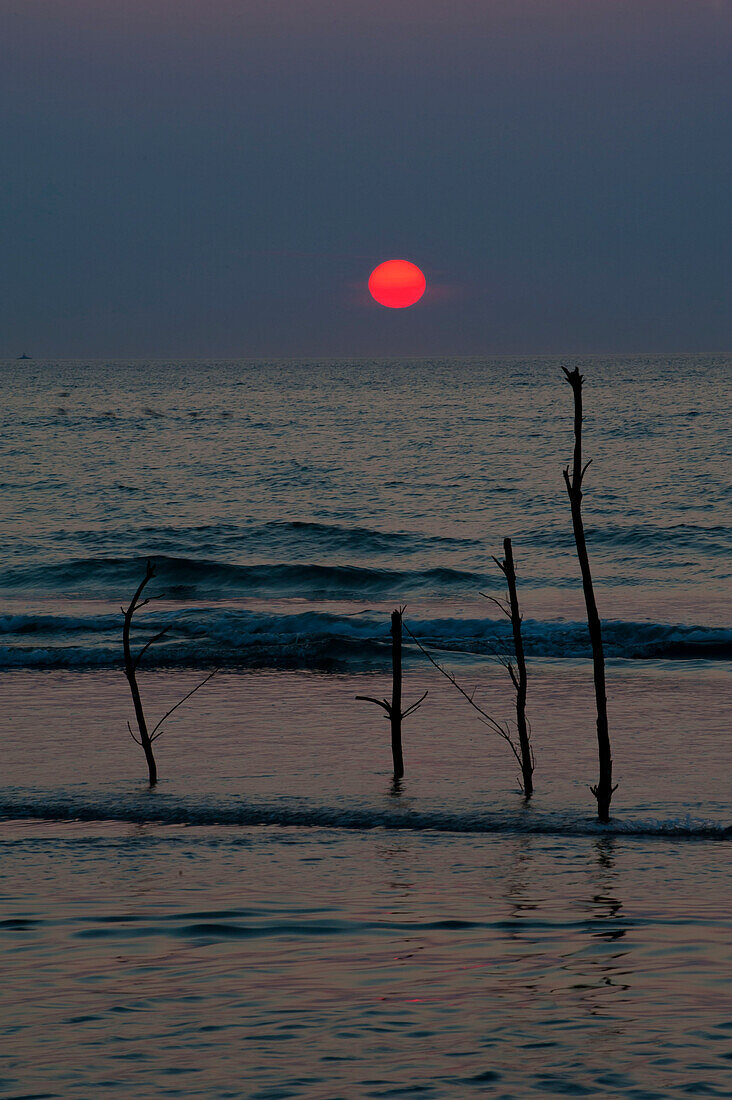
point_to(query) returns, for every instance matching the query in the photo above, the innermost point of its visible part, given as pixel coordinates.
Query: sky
(218, 178)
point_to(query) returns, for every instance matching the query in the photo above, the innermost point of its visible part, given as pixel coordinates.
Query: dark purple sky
(219, 177)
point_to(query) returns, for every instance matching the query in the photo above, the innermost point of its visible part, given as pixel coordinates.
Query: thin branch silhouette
(483, 716)
(155, 734)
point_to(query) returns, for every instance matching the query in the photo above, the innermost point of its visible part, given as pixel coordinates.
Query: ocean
(278, 918)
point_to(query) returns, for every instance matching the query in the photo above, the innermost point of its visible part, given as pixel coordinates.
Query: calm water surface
(272, 962)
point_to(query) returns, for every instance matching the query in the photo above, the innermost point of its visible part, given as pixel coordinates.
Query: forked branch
(393, 709)
(131, 662)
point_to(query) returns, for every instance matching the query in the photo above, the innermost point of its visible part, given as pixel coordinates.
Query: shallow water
(277, 963)
(289, 748)
(278, 919)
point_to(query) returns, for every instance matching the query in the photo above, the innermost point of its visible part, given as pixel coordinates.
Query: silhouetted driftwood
(603, 792)
(146, 738)
(518, 673)
(487, 720)
(393, 709)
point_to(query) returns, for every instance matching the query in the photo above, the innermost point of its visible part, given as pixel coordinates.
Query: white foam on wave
(201, 637)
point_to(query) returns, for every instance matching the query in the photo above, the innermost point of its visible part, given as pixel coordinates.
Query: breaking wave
(233, 638)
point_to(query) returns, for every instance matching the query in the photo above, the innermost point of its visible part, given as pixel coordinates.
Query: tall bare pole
(603, 792)
(396, 694)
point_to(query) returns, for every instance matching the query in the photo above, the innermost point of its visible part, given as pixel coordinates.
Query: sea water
(278, 918)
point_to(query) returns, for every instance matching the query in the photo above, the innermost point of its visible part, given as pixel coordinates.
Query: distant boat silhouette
(24, 356)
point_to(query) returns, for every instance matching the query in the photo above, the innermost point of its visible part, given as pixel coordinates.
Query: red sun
(397, 283)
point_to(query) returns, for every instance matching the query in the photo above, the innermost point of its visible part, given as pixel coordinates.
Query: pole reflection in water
(600, 966)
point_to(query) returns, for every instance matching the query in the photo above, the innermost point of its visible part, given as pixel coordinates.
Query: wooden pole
(147, 737)
(603, 792)
(393, 709)
(520, 681)
(130, 669)
(395, 714)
